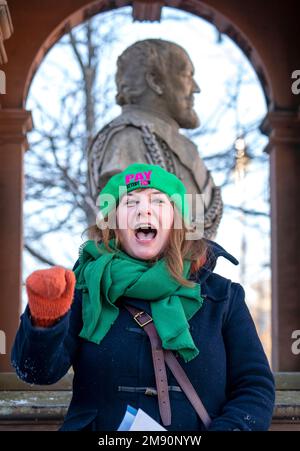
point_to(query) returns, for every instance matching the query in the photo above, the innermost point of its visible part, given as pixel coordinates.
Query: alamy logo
(296, 344)
(296, 84)
(2, 342)
(2, 82)
(140, 178)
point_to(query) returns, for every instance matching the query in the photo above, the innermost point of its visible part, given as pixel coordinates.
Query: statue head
(158, 75)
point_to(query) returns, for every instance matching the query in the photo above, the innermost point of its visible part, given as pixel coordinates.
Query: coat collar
(213, 253)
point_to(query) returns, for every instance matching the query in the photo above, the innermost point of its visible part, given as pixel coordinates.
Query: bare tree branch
(37, 255)
(246, 211)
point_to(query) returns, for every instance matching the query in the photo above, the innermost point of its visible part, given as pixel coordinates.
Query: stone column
(14, 123)
(283, 128)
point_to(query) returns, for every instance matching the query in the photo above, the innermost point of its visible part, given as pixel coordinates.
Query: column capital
(282, 126)
(14, 124)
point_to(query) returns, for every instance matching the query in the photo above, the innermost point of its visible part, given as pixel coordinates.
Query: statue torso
(139, 135)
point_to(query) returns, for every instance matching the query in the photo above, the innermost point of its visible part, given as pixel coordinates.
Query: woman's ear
(154, 83)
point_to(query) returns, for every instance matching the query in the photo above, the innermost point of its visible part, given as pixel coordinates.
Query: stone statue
(156, 86)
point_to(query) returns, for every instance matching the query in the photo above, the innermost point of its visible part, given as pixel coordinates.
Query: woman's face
(144, 221)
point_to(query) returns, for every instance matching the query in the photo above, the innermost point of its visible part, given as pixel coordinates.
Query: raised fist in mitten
(50, 294)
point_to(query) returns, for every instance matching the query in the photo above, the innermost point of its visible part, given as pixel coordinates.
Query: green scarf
(104, 277)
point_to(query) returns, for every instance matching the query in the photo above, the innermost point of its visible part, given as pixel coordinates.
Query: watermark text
(2, 342)
(296, 344)
(296, 83)
(2, 82)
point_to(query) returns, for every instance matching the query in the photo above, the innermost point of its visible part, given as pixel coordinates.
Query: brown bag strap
(145, 321)
(187, 387)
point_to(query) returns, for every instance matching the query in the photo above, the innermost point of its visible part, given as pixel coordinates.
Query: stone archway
(65, 19)
(263, 45)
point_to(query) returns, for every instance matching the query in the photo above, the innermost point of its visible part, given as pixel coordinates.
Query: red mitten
(50, 294)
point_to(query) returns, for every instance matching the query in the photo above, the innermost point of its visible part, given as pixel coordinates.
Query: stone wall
(24, 407)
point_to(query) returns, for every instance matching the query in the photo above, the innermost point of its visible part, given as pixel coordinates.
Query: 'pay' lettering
(138, 177)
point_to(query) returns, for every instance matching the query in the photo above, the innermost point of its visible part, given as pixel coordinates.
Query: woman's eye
(159, 201)
(131, 202)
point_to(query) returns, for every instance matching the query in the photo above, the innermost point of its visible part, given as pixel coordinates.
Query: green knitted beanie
(139, 175)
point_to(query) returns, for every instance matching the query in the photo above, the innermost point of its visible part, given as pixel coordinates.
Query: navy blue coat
(231, 373)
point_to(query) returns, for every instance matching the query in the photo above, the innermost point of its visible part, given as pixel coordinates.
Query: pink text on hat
(142, 177)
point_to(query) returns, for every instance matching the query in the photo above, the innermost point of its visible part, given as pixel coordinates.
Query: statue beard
(187, 119)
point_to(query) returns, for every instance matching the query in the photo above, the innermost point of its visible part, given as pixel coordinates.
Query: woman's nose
(144, 207)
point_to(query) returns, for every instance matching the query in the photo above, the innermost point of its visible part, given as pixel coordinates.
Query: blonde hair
(176, 251)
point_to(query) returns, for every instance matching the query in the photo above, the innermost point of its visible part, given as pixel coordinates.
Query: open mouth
(145, 232)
